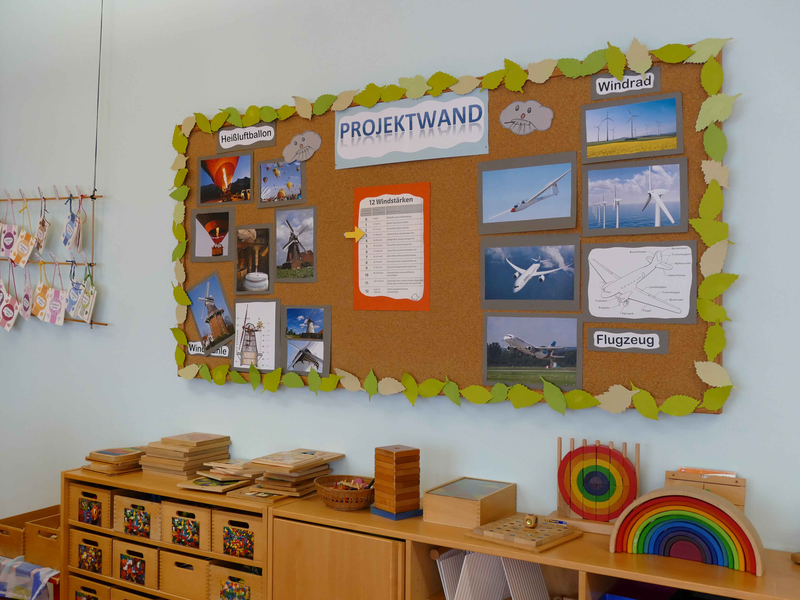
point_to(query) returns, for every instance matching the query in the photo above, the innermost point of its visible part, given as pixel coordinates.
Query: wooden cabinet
(320, 563)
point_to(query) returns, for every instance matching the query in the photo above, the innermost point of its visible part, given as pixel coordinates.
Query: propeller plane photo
(625, 288)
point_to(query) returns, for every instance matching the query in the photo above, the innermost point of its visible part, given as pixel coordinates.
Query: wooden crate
(238, 534)
(730, 488)
(123, 594)
(85, 589)
(136, 564)
(90, 552)
(192, 525)
(135, 516)
(12, 530)
(470, 513)
(222, 578)
(43, 542)
(91, 505)
(182, 575)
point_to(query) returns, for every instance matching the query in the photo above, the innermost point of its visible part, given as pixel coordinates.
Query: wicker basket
(344, 499)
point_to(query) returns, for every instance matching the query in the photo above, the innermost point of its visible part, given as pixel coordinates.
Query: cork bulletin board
(447, 342)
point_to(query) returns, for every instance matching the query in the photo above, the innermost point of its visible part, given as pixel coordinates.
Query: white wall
(65, 392)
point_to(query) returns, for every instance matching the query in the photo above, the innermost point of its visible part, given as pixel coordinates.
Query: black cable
(97, 107)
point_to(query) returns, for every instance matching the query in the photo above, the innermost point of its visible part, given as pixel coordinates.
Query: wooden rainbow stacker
(397, 482)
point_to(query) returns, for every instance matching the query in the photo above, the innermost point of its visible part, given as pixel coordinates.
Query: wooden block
(392, 466)
(732, 493)
(396, 496)
(394, 479)
(590, 506)
(136, 564)
(381, 472)
(396, 451)
(399, 488)
(386, 460)
(732, 489)
(604, 458)
(398, 507)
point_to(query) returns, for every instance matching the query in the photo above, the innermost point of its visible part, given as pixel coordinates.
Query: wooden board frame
(566, 89)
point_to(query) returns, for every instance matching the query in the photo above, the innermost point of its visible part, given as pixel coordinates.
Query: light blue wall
(66, 391)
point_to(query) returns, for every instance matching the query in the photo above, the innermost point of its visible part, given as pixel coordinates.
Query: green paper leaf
(715, 341)
(302, 106)
(645, 403)
(255, 377)
(179, 141)
(180, 296)
(415, 86)
(180, 177)
(672, 53)
(712, 202)
(180, 194)
(715, 398)
(189, 372)
(639, 60)
(268, 114)
(180, 356)
(236, 377)
(314, 381)
(714, 285)
(477, 394)
(179, 232)
(522, 397)
(711, 312)
(715, 109)
(711, 231)
(594, 62)
(273, 380)
(465, 85)
(205, 373)
(706, 49)
(369, 96)
(179, 336)
(179, 250)
(290, 380)
(450, 390)
(715, 143)
(234, 118)
(712, 374)
(323, 103)
(251, 116)
(219, 374)
(493, 79)
(554, 397)
(329, 383)
(202, 122)
(219, 120)
(679, 406)
(616, 61)
(578, 400)
(712, 77)
(371, 384)
(541, 71)
(430, 388)
(392, 92)
(285, 111)
(412, 391)
(499, 393)
(439, 82)
(515, 76)
(570, 67)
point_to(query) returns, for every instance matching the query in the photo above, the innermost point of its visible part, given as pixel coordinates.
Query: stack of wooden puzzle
(181, 456)
(397, 482)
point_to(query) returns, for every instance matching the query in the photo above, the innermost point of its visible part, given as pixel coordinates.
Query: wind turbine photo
(616, 205)
(655, 196)
(630, 120)
(607, 120)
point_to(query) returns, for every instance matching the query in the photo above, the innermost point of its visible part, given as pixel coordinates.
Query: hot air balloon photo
(295, 244)
(280, 183)
(210, 239)
(226, 178)
(255, 259)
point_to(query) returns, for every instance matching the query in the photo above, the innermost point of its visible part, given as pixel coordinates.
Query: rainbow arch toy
(692, 524)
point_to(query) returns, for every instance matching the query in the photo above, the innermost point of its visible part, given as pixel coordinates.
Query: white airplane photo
(552, 187)
(537, 351)
(626, 288)
(523, 276)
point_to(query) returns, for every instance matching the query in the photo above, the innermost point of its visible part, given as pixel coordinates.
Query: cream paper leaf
(344, 100)
(639, 59)
(303, 107)
(617, 399)
(388, 386)
(712, 374)
(188, 125)
(715, 170)
(713, 259)
(465, 84)
(541, 71)
(179, 163)
(180, 273)
(180, 314)
(349, 381)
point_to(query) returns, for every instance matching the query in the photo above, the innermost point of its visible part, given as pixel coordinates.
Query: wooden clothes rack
(91, 262)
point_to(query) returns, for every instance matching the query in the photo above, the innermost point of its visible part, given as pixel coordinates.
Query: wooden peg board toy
(595, 484)
(512, 531)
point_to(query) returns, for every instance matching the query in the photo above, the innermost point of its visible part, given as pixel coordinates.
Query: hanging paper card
(26, 303)
(23, 247)
(8, 237)
(44, 224)
(70, 234)
(86, 304)
(74, 297)
(40, 300)
(55, 308)
(9, 309)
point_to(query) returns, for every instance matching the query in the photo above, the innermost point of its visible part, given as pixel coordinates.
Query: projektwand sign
(406, 130)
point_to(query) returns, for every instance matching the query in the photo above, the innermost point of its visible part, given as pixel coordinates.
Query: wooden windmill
(248, 347)
(213, 316)
(293, 246)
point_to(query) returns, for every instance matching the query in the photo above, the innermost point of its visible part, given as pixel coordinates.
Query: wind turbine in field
(658, 124)
(630, 120)
(616, 205)
(655, 196)
(598, 132)
(613, 129)
(606, 120)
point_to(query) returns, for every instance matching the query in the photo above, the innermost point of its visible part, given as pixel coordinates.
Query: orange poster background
(362, 302)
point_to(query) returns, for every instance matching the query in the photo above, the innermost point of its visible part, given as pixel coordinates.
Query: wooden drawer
(136, 564)
(238, 534)
(226, 583)
(12, 530)
(85, 589)
(90, 552)
(320, 563)
(138, 517)
(43, 542)
(183, 575)
(91, 505)
(122, 594)
(186, 525)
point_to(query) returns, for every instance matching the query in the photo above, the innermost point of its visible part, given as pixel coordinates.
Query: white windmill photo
(604, 211)
(616, 205)
(607, 120)
(630, 120)
(655, 196)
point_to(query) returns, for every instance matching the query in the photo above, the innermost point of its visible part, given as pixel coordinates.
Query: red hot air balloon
(216, 225)
(221, 172)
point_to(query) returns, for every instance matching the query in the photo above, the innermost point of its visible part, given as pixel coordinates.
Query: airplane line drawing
(537, 351)
(305, 355)
(536, 198)
(626, 288)
(523, 276)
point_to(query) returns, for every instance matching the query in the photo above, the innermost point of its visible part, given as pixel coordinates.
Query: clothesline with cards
(21, 247)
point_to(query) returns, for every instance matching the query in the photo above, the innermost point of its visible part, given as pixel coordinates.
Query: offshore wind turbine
(607, 120)
(630, 120)
(616, 205)
(655, 196)
(604, 211)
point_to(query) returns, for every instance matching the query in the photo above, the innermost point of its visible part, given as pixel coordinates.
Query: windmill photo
(214, 317)
(294, 244)
(616, 205)
(305, 323)
(296, 235)
(248, 346)
(630, 120)
(305, 355)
